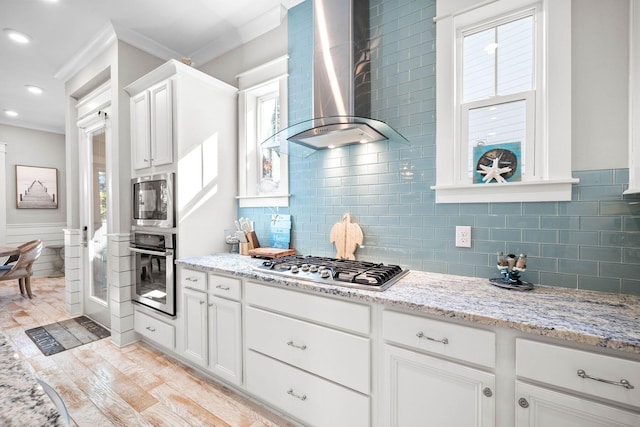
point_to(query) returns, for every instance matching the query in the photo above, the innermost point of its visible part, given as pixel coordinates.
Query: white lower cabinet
(225, 339)
(154, 329)
(575, 388)
(541, 407)
(213, 333)
(421, 390)
(313, 400)
(309, 356)
(433, 390)
(194, 304)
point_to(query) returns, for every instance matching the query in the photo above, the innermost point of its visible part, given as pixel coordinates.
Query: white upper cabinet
(152, 126)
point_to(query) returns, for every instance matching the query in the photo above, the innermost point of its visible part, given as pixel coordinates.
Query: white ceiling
(62, 33)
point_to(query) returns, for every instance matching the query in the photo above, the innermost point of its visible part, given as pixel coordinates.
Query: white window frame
(634, 100)
(253, 85)
(548, 156)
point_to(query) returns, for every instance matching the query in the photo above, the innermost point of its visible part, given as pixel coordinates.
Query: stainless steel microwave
(153, 201)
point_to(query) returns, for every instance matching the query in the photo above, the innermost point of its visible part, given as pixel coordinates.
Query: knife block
(252, 238)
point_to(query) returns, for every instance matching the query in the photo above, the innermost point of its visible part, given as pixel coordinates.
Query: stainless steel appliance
(331, 271)
(153, 201)
(154, 270)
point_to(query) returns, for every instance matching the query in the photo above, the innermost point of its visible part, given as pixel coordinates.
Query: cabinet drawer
(336, 355)
(331, 312)
(227, 287)
(560, 366)
(193, 279)
(154, 329)
(459, 342)
(312, 400)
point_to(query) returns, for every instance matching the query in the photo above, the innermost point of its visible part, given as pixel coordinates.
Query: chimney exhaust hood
(341, 84)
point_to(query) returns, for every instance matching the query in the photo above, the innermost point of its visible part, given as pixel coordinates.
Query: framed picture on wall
(36, 187)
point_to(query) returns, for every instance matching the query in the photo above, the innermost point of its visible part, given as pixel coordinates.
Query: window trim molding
(251, 80)
(553, 94)
(634, 101)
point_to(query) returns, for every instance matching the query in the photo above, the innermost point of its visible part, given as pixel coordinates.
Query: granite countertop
(22, 401)
(592, 318)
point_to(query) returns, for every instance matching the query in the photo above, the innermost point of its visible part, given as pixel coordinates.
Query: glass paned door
(93, 199)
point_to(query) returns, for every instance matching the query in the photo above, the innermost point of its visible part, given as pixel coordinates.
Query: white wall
(33, 148)
(258, 51)
(600, 83)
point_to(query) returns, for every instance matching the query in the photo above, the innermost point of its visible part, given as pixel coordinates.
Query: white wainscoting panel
(49, 233)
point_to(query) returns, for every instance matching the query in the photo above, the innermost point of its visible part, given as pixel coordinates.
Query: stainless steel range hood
(341, 84)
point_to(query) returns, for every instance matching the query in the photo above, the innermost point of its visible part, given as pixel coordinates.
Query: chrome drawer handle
(297, 396)
(151, 328)
(444, 340)
(191, 279)
(224, 288)
(300, 347)
(622, 383)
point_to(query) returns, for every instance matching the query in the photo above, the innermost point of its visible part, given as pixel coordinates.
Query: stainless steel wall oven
(154, 270)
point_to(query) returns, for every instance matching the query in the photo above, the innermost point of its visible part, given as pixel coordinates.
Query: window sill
(532, 191)
(267, 200)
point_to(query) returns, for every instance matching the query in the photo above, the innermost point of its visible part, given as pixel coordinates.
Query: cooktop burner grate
(333, 271)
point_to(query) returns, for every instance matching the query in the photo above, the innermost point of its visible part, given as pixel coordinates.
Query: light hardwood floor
(103, 385)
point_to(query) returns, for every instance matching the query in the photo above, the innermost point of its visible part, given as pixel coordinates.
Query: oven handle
(148, 252)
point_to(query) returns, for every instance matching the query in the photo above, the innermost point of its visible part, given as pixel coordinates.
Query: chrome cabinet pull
(444, 340)
(151, 328)
(297, 396)
(191, 279)
(622, 383)
(224, 288)
(487, 392)
(523, 403)
(300, 347)
(201, 302)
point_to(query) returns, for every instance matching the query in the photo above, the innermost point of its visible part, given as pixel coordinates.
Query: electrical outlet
(463, 236)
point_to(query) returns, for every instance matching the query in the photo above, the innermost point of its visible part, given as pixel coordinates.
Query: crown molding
(84, 56)
(221, 45)
(105, 39)
(144, 43)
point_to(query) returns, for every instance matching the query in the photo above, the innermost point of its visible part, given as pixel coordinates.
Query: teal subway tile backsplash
(600, 284)
(631, 287)
(591, 242)
(597, 253)
(589, 268)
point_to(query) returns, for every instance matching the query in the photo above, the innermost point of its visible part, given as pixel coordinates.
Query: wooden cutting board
(347, 236)
(271, 253)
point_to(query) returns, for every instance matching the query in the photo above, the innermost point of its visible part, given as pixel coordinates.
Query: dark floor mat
(61, 336)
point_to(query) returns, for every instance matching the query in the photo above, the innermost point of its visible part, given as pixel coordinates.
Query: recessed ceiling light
(34, 89)
(17, 36)
(10, 113)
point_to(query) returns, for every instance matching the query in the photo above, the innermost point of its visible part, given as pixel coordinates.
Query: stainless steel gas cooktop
(338, 272)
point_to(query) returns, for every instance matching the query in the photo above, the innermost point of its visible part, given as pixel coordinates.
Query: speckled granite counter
(592, 318)
(22, 400)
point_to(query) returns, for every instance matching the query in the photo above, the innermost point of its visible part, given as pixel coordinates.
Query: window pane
(479, 65)
(501, 55)
(515, 56)
(497, 124)
(268, 124)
